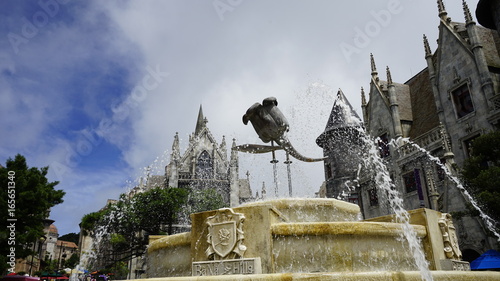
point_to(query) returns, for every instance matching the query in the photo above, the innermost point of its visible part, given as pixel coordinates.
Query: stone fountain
(306, 239)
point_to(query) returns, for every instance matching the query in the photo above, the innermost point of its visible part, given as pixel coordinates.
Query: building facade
(47, 249)
(205, 164)
(425, 125)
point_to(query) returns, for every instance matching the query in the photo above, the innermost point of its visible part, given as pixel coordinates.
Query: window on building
(383, 146)
(462, 101)
(372, 194)
(410, 181)
(467, 145)
(204, 166)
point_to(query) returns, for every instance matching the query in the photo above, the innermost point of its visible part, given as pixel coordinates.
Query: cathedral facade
(455, 99)
(205, 165)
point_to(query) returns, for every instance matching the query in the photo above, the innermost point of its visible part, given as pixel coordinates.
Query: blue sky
(96, 90)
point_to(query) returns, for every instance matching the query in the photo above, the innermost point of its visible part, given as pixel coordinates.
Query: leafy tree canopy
(72, 261)
(123, 226)
(205, 200)
(29, 191)
(70, 237)
(481, 172)
(158, 208)
(90, 221)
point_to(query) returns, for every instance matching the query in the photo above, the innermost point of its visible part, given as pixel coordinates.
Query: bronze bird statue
(271, 126)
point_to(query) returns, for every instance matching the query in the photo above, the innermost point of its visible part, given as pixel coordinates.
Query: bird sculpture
(271, 126)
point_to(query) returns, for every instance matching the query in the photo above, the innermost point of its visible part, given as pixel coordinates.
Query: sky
(97, 90)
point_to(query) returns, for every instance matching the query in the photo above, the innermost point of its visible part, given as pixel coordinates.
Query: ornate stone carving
(225, 235)
(450, 240)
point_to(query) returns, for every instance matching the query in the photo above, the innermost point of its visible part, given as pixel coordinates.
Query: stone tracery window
(410, 182)
(204, 166)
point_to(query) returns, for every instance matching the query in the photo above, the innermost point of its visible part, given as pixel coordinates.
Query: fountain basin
(345, 276)
(296, 239)
(311, 209)
(341, 246)
(174, 250)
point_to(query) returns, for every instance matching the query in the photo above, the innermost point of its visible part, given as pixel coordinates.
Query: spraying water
(92, 256)
(384, 182)
(372, 162)
(489, 222)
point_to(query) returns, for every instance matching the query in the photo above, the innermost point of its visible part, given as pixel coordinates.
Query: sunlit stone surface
(304, 239)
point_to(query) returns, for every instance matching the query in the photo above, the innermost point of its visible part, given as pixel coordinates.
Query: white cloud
(92, 54)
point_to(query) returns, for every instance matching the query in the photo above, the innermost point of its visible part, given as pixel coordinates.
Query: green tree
(158, 208)
(117, 230)
(32, 196)
(90, 221)
(205, 200)
(70, 237)
(481, 172)
(123, 227)
(72, 261)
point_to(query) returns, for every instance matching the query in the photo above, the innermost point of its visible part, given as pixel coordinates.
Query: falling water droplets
(490, 223)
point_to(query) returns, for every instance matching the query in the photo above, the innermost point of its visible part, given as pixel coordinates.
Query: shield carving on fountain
(225, 235)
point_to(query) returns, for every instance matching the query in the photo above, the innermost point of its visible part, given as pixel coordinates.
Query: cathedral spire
(200, 123)
(442, 11)
(427, 48)
(468, 16)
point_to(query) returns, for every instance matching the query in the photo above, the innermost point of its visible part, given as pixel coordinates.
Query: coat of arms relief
(225, 235)
(450, 240)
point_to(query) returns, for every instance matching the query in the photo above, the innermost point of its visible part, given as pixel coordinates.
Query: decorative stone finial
(374, 68)
(363, 97)
(442, 11)
(468, 16)
(175, 148)
(389, 78)
(427, 48)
